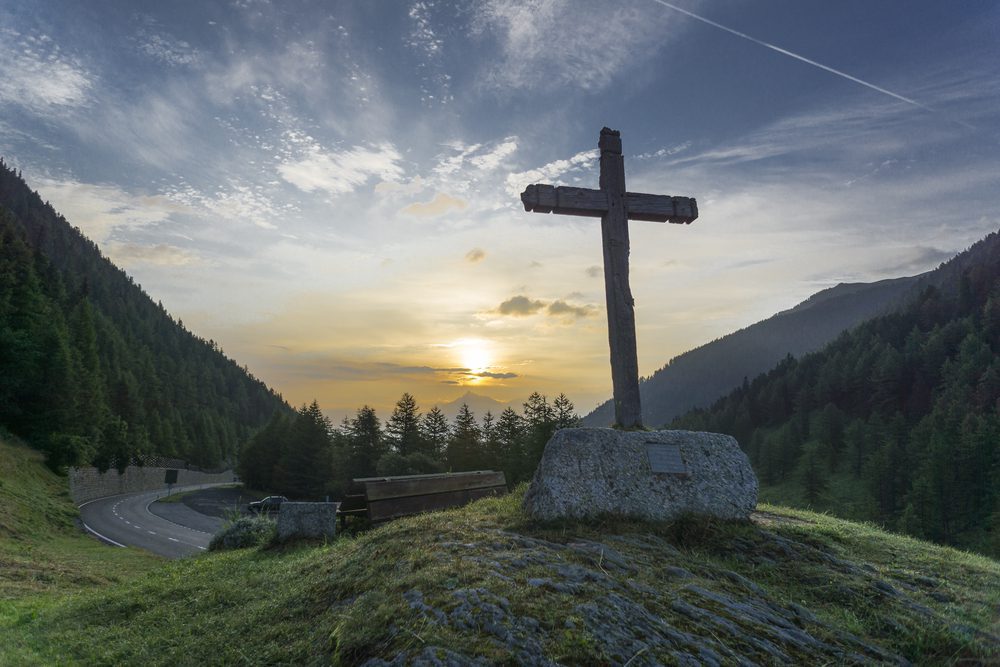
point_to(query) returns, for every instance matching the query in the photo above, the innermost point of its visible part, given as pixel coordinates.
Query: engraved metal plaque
(665, 459)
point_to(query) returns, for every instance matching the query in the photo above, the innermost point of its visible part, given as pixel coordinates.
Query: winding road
(174, 531)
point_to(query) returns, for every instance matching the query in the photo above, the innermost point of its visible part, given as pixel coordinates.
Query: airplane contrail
(786, 52)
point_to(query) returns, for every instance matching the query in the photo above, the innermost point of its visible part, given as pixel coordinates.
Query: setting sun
(474, 354)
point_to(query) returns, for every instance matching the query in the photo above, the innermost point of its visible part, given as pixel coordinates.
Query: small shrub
(247, 531)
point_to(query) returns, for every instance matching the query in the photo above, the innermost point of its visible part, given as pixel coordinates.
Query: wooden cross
(614, 206)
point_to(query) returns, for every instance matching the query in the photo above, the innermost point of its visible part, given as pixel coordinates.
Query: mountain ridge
(701, 375)
(91, 368)
(896, 421)
(479, 404)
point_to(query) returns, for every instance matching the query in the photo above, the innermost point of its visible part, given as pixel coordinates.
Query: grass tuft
(244, 532)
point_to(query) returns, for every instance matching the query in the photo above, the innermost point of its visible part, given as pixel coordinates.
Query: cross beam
(594, 204)
(614, 206)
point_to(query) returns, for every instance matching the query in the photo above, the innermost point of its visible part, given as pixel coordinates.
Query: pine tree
(90, 407)
(305, 469)
(434, 433)
(510, 435)
(814, 483)
(259, 458)
(402, 430)
(77, 334)
(489, 444)
(364, 443)
(540, 424)
(463, 450)
(564, 413)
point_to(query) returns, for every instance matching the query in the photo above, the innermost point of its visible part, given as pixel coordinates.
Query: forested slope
(896, 421)
(91, 369)
(702, 375)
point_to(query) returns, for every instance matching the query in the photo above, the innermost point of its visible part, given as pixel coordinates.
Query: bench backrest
(392, 497)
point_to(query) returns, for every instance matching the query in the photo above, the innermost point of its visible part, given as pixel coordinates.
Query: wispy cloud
(796, 56)
(372, 371)
(563, 309)
(158, 128)
(160, 254)
(556, 43)
(665, 151)
(99, 209)
(166, 49)
(38, 76)
(242, 201)
(441, 204)
(427, 43)
(495, 157)
(475, 255)
(340, 172)
(917, 259)
(494, 376)
(522, 306)
(552, 172)
(480, 157)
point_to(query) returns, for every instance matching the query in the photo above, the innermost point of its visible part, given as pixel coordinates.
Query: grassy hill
(484, 582)
(42, 549)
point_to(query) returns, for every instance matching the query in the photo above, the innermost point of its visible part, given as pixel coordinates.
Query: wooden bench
(384, 498)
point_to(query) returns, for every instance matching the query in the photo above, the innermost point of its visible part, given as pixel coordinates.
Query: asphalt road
(126, 521)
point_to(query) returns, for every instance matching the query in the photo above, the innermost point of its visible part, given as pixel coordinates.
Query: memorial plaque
(665, 459)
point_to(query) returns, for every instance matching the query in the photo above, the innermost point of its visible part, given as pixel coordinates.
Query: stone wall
(87, 483)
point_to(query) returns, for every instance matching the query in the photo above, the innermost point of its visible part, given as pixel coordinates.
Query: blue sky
(329, 190)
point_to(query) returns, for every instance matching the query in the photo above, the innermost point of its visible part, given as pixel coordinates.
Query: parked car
(267, 505)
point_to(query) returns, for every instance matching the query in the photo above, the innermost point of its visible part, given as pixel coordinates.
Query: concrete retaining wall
(87, 483)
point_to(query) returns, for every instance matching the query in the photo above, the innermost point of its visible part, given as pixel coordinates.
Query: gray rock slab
(307, 520)
(653, 475)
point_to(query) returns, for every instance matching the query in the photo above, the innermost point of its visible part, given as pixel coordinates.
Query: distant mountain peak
(478, 403)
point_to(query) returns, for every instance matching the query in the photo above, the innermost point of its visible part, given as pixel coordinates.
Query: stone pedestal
(309, 520)
(653, 475)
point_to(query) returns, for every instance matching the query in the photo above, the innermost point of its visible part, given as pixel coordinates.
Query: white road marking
(137, 526)
(102, 537)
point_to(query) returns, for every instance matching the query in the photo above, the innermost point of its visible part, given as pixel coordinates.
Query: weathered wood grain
(382, 498)
(400, 487)
(564, 200)
(618, 294)
(588, 202)
(615, 207)
(661, 208)
(392, 508)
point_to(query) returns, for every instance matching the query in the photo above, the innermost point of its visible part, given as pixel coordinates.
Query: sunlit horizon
(331, 193)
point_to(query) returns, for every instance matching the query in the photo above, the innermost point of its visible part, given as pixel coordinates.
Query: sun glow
(474, 354)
